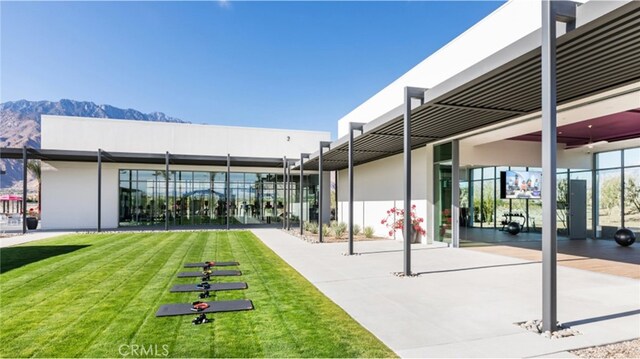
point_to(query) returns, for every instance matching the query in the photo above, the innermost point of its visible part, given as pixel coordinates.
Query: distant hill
(20, 126)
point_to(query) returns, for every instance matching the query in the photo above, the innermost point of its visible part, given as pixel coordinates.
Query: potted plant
(32, 220)
(395, 221)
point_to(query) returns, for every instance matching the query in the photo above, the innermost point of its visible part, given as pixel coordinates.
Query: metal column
(551, 11)
(25, 161)
(409, 93)
(455, 193)
(228, 185)
(352, 126)
(323, 144)
(289, 200)
(166, 191)
(284, 195)
(99, 190)
(302, 157)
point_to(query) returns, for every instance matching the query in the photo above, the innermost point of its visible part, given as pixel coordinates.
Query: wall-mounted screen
(520, 184)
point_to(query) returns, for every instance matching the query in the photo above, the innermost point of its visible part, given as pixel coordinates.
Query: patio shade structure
(598, 54)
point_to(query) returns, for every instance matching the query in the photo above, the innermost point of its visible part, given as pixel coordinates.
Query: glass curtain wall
(616, 191)
(200, 198)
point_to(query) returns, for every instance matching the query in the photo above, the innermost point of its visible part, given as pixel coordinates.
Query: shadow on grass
(16, 257)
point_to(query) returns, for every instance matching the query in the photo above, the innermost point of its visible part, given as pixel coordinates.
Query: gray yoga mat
(215, 273)
(168, 310)
(212, 287)
(206, 264)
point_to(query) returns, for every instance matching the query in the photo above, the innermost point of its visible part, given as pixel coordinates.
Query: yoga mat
(215, 273)
(212, 287)
(215, 264)
(168, 310)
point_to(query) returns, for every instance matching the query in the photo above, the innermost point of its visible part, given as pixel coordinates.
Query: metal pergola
(100, 156)
(600, 51)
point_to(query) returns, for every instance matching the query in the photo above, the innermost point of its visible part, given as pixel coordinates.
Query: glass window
(201, 176)
(632, 198)
(477, 203)
(488, 172)
(608, 159)
(220, 176)
(236, 177)
(442, 152)
(487, 213)
(609, 193)
(476, 174)
(632, 157)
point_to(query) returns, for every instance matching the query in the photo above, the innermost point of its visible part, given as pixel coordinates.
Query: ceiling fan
(588, 145)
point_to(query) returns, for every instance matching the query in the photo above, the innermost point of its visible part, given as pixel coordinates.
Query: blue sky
(299, 65)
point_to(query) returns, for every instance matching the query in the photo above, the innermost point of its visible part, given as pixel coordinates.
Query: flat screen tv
(520, 184)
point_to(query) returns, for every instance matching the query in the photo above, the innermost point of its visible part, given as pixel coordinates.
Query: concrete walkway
(464, 302)
(12, 240)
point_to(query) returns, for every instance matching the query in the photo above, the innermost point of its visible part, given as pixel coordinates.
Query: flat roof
(601, 53)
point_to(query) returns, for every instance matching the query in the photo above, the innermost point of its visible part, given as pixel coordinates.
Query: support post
(409, 94)
(352, 126)
(228, 188)
(455, 193)
(323, 145)
(552, 11)
(166, 191)
(99, 190)
(284, 195)
(25, 161)
(302, 157)
(289, 200)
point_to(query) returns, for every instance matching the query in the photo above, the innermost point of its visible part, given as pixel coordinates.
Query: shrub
(368, 232)
(312, 227)
(356, 229)
(326, 230)
(339, 229)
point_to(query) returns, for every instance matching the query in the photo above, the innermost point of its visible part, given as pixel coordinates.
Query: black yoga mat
(215, 273)
(212, 287)
(208, 264)
(168, 310)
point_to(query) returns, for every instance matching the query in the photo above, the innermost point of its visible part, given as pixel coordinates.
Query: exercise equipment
(624, 237)
(507, 223)
(201, 319)
(209, 264)
(168, 310)
(513, 228)
(210, 273)
(204, 286)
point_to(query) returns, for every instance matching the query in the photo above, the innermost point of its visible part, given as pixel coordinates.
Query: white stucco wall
(378, 186)
(89, 134)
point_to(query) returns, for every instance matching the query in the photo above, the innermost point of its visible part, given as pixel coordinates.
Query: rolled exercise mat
(210, 264)
(211, 287)
(215, 273)
(168, 310)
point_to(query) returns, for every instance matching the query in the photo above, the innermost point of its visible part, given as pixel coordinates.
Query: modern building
(531, 116)
(136, 191)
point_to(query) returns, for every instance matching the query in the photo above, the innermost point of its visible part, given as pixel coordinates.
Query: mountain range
(20, 126)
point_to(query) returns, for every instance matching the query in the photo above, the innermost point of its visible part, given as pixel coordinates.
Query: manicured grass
(95, 295)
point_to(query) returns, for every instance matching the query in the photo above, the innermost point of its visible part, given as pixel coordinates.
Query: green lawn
(96, 295)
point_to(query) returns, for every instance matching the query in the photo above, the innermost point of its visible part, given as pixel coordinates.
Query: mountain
(20, 126)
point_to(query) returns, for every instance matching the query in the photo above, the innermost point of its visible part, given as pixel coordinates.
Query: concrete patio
(465, 302)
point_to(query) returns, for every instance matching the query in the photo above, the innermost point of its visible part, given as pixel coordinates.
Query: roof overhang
(600, 54)
(143, 158)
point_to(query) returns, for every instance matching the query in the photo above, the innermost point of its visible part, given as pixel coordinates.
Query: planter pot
(415, 237)
(32, 223)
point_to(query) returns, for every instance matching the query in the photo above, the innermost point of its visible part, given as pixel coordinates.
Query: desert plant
(312, 227)
(339, 229)
(368, 231)
(356, 229)
(326, 230)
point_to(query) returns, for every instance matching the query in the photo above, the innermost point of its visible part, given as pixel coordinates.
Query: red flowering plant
(395, 221)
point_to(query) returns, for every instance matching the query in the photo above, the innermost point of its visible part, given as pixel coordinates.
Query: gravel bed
(628, 349)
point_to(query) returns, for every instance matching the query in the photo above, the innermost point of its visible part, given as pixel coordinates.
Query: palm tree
(34, 167)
